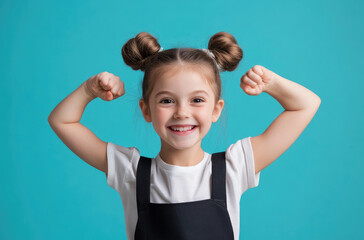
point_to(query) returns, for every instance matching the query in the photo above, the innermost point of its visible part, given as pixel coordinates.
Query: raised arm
(300, 106)
(65, 118)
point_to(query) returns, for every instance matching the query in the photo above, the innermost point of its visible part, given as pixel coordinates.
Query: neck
(182, 157)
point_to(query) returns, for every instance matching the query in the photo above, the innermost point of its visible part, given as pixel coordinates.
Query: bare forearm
(70, 109)
(291, 95)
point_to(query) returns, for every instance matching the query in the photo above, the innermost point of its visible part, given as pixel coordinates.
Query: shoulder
(122, 155)
(119, 150)
(241, 149)
(240, 162)
(122, 161)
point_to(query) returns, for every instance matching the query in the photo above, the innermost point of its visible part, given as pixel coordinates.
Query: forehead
(183, 80)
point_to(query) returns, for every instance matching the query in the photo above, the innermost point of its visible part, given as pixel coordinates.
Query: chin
(182, 146)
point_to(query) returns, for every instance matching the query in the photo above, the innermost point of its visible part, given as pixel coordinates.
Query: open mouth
(184, 130)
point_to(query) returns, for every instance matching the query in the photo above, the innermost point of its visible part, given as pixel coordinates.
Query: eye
(165, 100)
(198, 100)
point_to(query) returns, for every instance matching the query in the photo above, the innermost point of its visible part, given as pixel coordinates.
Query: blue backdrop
(312, 191)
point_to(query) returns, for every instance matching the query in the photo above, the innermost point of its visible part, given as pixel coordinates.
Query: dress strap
(218, 176)
(143, 182)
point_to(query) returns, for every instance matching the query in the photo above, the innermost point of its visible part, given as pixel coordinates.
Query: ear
(217, 110)
(145, 110)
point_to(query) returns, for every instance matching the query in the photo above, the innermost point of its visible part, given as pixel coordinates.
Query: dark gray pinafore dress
(197, 220)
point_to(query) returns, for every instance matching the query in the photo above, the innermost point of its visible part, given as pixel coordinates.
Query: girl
(184, 192)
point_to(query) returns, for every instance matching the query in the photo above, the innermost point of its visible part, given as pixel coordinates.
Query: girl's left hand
(257, 80)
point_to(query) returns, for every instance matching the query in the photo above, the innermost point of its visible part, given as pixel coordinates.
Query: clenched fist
(256, 80)
(105, 85)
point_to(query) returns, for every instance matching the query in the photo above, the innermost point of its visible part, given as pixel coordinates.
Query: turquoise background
(48, 48)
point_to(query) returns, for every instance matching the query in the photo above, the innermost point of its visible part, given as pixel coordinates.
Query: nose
(182, 111)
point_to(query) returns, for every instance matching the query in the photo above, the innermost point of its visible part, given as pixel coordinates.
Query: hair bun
(136, 51)
(226, 50)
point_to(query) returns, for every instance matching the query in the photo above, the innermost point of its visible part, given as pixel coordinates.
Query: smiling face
(182, 98)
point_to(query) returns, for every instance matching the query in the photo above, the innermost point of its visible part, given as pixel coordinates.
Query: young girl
(184, 192)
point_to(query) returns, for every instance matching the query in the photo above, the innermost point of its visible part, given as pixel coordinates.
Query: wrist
(273, 84)
(87, 91)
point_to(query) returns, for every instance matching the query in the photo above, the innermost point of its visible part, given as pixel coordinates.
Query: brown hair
(142, 52)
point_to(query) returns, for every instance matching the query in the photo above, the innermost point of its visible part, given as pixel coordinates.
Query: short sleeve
(241, 156)
(119, 163)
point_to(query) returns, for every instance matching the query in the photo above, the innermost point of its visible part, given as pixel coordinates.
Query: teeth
(182, 129)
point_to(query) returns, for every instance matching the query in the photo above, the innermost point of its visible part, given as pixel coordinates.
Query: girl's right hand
(105, 85)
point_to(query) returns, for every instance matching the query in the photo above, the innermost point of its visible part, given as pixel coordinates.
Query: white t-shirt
(175, 184)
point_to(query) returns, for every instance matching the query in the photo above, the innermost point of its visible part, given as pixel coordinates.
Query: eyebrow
(194, 92)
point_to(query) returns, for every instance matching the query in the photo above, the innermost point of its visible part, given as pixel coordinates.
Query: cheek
(161, 114)
(206, 112)
(204, 115)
